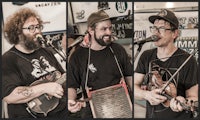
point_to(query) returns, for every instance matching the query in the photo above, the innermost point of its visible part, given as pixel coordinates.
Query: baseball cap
(166, 15)
(97, 17)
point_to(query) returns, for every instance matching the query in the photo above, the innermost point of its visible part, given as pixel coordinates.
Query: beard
(101, 40)
(30, 43)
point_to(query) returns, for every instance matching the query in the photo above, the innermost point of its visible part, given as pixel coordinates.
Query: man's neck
(23, 49)
(164, 52)
(96, 46)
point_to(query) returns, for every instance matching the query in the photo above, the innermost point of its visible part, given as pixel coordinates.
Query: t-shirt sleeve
(142, 63)
(10, 75)
(191, 73)
(127, 65)
(73, 66)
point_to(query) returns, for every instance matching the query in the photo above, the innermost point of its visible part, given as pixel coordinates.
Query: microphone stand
(56, 50)
(69, 50)
(141, 43)
(138, 50)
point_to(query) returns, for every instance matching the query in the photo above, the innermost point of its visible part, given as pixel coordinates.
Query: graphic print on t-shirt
(41, 67)
(166, 73)
(92, 68)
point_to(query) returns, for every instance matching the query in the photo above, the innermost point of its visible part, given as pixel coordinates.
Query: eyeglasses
(154, 29)
(32, 28)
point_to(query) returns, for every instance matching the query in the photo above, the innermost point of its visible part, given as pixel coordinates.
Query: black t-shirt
(103, 70)
(186, 78)
(20, 69)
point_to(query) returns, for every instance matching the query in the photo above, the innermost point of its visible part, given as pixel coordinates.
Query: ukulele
(46, 103)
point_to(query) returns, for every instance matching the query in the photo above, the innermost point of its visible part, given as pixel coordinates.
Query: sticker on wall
(103, 6)
(121, 7)
(80, 15)
(162, 13)
(189, 44)
(188, 22)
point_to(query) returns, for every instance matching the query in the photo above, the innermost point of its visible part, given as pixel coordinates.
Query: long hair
(15, 22)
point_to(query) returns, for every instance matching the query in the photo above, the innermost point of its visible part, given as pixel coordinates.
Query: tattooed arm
(23, 94)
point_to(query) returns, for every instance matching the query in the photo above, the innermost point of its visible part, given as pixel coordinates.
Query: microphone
(77, 41)
(152, 38)
(41, 40)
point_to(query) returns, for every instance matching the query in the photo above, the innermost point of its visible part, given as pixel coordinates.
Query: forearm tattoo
(25, 91)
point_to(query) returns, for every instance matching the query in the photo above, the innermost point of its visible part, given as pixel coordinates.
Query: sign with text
(189, 44)
(54, 38)
(122, 28)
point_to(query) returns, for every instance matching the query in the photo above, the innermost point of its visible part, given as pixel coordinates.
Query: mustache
(110, 36)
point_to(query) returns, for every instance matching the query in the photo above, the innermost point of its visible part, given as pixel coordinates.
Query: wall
(144, 6)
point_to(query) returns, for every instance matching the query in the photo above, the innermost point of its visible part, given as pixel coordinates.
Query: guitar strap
(117, 62)
(29, 61)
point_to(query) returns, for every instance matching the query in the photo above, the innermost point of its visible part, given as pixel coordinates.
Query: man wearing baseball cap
(159, 64)
(102, 70)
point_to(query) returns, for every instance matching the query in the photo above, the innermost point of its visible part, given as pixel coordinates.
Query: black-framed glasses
(32, 28)
(154, 29)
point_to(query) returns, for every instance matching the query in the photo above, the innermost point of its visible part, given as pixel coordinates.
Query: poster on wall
(82, 10)
(188, 26)
(122, 27)
(52, 13)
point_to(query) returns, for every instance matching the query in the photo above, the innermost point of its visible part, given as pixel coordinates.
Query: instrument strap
(29, 61)
(87, 73)
(119, 68)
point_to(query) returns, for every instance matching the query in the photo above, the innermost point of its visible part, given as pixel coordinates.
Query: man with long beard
(24, 64)
(96, 57)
